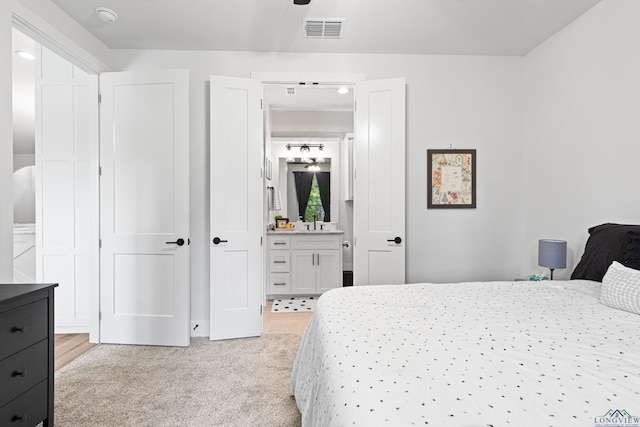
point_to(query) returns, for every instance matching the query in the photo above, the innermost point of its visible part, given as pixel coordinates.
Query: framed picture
(282, 222)
(451, 176)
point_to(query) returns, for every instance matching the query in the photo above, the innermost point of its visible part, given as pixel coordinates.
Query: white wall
(469, 102)
(582, 139)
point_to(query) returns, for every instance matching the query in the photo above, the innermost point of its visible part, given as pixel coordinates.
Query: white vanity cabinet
(304, 263)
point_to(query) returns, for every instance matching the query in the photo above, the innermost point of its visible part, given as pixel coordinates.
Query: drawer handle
(279, 243)
(21, 329)
(19, 418)
(279, 262)
(279, 284)
(18, 374)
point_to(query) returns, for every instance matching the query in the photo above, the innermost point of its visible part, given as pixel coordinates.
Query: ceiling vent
(323, 28)
(291, 90)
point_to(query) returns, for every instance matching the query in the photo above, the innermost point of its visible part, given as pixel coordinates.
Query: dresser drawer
(279, 261)
(23, 370)
(279, 242)
(279, 284)
(23, 326)
(316, 242)
(28, 409)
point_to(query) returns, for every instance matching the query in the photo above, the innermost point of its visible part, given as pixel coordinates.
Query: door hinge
(100, 243)
(355, 106)
(260, 240)
(260, 309)
(99, 98)
(261, 103)
(100, 316)
(99, 170)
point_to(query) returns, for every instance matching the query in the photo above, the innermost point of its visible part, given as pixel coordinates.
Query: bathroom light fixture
(305, 148)
(107, 15)
(26, 55)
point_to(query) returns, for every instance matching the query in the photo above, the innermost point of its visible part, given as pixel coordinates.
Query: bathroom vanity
(304, 262)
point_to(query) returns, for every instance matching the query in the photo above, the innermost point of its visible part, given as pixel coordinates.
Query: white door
(236, 225)
(379, 181)
(144, 157)
(67, 187)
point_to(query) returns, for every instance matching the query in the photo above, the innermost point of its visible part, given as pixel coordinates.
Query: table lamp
(552, 254)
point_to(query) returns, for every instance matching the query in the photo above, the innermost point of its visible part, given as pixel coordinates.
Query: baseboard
(80, 329)
(199, 328)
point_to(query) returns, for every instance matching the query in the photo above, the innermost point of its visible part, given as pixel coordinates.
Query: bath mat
(294, 305)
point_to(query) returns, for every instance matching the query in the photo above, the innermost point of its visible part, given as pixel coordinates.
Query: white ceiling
(464, 27)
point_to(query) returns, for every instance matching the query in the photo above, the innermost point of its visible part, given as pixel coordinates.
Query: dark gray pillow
(606, 243)
(631, 253)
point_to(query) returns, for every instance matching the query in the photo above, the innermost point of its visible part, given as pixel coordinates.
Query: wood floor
(284, 323)
(72, 346)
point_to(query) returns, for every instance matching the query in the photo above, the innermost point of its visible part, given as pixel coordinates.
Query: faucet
(314, 222)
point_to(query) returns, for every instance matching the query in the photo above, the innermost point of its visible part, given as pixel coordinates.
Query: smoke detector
(323, 28)
(107, 15)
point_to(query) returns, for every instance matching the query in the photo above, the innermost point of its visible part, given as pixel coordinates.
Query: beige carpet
(222, 383)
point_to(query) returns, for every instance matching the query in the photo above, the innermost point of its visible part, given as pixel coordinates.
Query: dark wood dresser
(26, 354)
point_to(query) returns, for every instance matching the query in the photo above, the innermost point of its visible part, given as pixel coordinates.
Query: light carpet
(294, 305)
(242, 382)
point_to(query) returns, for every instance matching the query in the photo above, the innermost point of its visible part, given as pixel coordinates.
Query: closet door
(236, 224)
(144, 156)
(379, 180)
(67, 187)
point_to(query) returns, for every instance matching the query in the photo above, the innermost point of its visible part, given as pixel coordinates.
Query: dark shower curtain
(324, 185)
(303, 182)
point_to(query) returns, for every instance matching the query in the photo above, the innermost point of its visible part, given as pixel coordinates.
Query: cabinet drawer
(279, 283)
(23, 370)
(22, 326)
(279, 242)
(279, 261)
(28, 409)
(316, 242)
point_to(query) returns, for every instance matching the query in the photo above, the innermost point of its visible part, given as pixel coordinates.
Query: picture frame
(282, 222)
(451, 179)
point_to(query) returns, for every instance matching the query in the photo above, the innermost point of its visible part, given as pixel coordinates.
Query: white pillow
(621, 288)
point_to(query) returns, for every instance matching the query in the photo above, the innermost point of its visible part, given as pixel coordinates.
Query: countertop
(294, 232)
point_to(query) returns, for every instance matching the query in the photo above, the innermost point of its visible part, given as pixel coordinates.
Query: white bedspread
(468, 354)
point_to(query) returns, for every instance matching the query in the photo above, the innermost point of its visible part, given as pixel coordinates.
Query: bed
(521, 353)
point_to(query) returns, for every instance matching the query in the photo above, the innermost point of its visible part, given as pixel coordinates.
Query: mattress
(468, 354)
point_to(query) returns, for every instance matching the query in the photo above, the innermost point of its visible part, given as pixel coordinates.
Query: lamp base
(551, 277)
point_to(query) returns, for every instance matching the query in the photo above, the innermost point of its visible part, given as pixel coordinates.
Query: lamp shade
(552, 253)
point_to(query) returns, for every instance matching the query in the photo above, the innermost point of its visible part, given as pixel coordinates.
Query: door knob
(397, 240)
(217, 240)
(178, 242)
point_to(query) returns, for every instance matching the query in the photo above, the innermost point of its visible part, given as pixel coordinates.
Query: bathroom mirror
(315, 181)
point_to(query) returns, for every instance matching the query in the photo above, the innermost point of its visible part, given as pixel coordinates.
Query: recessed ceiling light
(107, 15)
(343, 90)
(26, 55)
